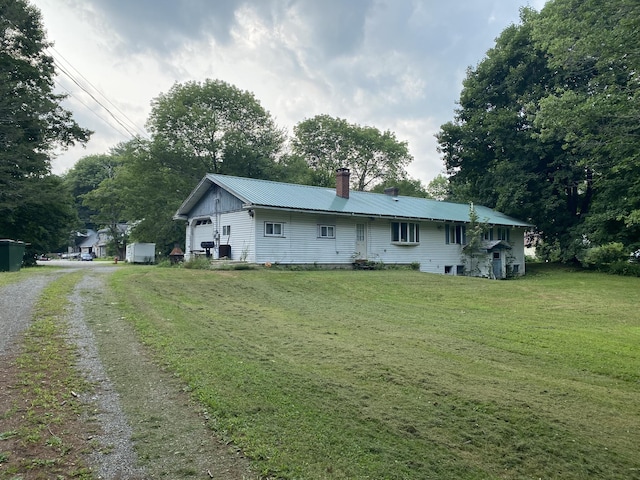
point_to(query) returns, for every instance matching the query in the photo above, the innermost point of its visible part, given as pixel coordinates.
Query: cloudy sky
(393, 64)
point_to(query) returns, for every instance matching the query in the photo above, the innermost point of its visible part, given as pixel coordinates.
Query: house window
(448, 269)
(226, 230)
(204, 221)
(326, 231)
(488, 234)
(272, 229)
(459, 269)
(503, 234)
(455, 234)
(405, 232)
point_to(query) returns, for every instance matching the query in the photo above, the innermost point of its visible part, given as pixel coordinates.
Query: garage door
(202, 232)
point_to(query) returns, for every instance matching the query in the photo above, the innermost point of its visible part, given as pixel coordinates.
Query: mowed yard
(404, 375)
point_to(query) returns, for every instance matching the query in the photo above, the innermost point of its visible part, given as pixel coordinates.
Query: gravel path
(116, 459)
(16, 305)
(133, 399)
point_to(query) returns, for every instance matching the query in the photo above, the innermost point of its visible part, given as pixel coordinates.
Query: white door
(361, 240)
(202, 232)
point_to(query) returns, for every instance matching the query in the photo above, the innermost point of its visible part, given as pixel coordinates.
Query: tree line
(546, 131)
(548, 126)
(213, 127)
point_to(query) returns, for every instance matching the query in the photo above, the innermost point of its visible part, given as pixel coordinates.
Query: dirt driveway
(149, 426)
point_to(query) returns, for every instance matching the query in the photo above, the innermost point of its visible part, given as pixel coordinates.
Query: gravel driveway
(16, 304)
(132, 396)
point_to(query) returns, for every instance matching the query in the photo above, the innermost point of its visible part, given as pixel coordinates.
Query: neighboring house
(270, 222)
(95, 243)
(85, 242)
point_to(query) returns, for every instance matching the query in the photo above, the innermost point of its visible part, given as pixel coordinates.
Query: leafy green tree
(409, 187)
(85, 176)
(33, 205)
(197, 128)
(594, 110)
(106, 201)
(511, 147)
(329, 143)
(214, 127)
(150, 191)
(43, 218)
(438, 188)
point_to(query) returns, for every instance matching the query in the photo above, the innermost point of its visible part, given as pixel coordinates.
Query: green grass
(404, 375)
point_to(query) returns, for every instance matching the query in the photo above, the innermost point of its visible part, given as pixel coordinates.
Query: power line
(56, 53)
(84, 89)
(53, 52)
(71, 94)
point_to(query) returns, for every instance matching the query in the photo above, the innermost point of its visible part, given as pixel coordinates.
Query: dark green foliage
(625, 268)
(34, 206)
(328, 143)
(599, 257)
(213, 127)
(85, 176)
(547, 125)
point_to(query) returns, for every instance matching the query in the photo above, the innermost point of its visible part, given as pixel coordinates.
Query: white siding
(300, 243)
(432, 253)
(242, 238)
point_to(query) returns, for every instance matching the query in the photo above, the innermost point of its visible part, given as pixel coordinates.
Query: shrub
(605, 255)
(198, 263)
(625, 268)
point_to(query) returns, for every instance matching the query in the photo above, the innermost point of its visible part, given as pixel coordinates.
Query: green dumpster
(11, 253)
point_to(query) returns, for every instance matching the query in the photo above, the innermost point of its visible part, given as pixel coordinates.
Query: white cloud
(396, 65)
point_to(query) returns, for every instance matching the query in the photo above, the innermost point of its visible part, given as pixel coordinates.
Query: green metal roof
(276, 195)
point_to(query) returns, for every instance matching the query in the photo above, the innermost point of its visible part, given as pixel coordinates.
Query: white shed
(141, 253)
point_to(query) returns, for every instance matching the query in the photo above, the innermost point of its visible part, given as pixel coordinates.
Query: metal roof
(276, 195)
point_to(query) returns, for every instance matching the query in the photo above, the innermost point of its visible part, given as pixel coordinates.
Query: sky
(395, 65)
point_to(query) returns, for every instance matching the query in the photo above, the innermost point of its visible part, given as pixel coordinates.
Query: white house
(261, 221)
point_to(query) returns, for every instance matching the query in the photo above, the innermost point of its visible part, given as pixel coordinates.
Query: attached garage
(202, 231)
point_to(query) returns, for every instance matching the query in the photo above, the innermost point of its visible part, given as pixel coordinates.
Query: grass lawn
(401, 374)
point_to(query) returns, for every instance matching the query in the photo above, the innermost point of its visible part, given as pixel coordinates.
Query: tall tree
(547, 121)
(594, 111)
(150, 188)
(32, 124)
(197, 128)
(85, 176)
(329, 143)
(214, 127)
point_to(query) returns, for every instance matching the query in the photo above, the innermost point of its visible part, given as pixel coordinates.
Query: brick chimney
(342, 182)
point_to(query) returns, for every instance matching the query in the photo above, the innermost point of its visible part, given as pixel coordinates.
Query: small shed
(141, 253)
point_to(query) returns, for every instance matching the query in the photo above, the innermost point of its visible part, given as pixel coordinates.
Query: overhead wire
(62, 69)
(88, 107)
(54, 54)
(120, 119)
